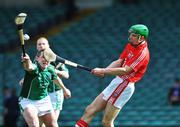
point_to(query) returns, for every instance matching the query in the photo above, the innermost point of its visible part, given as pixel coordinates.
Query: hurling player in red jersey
(128, 69)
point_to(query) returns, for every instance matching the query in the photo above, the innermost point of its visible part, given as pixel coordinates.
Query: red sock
(81, 123)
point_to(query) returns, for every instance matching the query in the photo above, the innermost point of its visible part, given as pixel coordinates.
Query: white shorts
(42, 106)
(57, 99)
(118, 92)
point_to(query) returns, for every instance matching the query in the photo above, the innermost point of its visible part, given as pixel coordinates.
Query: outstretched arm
(117, 71)
(67, 92)
(63, 72)
(27, 63)
(116, 63)
(113, 69)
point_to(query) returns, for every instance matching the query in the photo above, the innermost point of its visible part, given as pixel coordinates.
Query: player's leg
(31, 117)
(59, 103)
(57, 113)
(116, 101)
(49, 120)
(29, 112)
(57, 99)
(41, 124)
(110, 114)
(46, 112)
(97, 105)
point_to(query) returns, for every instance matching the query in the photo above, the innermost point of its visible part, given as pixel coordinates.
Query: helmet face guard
(137, 36)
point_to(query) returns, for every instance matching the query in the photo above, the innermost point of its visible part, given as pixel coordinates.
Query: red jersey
(137, 58)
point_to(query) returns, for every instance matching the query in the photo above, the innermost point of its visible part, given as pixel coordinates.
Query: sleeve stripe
(140, 58)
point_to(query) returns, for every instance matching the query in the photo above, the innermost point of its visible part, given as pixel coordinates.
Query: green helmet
(139, 29)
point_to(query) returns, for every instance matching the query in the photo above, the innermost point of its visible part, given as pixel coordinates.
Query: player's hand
(98, 72)
(25, 58)
(67, 93)
(59, 65)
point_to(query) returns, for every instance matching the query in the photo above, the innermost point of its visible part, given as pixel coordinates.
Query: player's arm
(63, 72)
(116, 63)
(67, 92)
(117, 70)
(59, 82)
(113, 69)
(27, 63)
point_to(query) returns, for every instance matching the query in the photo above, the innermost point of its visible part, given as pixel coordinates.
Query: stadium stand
(96, 41)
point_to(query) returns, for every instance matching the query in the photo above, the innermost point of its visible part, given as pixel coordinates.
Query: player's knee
(32, 123)
(52, 124)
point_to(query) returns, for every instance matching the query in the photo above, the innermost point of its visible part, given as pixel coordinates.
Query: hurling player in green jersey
(27, 93)
(55, 92)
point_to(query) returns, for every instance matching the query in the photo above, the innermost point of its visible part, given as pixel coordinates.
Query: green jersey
(36, 82)
(54, 87)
